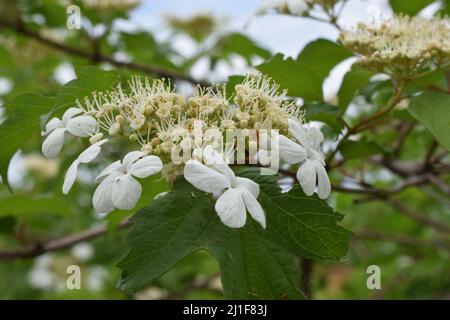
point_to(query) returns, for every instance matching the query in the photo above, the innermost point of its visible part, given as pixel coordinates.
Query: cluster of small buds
(151, 113)
(111, 5)
(208, 103)
(261, 105)
(402, 47)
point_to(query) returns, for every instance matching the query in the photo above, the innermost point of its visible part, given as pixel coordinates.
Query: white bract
(305, 150)
(312, 171)
(235, 195)
(85, 157)
(72, 122)
(118, 188)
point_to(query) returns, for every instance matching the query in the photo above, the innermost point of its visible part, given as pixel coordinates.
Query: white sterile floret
(236, 195)
(72, 122)
(312, 171)
(118, 188)
(304, 150)
(85, 157)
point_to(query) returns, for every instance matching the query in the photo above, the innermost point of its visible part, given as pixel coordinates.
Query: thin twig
(306, 269)
(97, 56)
(58, 244)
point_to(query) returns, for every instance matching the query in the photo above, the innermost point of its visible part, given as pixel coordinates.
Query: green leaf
(322, 56)
(445, 10)
(90, 79)
(353, 80)
(22, 205)
(359, 149)
(307, 225)
(432, 109)
(325, 113)
(254, 263)
(143, 47)
(23, 115)
(409, 8)
(300, 80)
(304, 76)
(237, 43)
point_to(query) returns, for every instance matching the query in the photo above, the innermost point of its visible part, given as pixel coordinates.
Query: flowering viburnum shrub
(219, 152)
(162, 124)
(253, 170)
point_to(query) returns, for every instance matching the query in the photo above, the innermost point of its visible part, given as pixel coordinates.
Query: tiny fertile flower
(77, 125)
(307, 150)
(118, 188)
(85, 157)
(236, 195)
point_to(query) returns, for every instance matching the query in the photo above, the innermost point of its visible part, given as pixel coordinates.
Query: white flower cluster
(158, 120)
(401, 46)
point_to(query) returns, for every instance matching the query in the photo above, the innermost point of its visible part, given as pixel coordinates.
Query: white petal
(306, 175)
(70, 113)
(146, 167)
(298, 132)
(113, 167)
(70, 177)
(315, 137)
(323, 182)
(231, 209)
(264, 157)
(102, 199)
(92, 152)
(52, 125)
(126, 192)
(131, 157)
(82, 126)
(205, 178)
(297, 7)
(217, 161)
(253, 207)
(53, 143)
(212, 156)
(290, 151)
(248, 184)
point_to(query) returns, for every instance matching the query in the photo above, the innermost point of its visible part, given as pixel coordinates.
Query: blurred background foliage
(39, 53)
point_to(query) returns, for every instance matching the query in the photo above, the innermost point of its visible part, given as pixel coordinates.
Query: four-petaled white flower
(311, 172)
(80, 126)
(236, 195)
(85, 157)
(118, 188)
